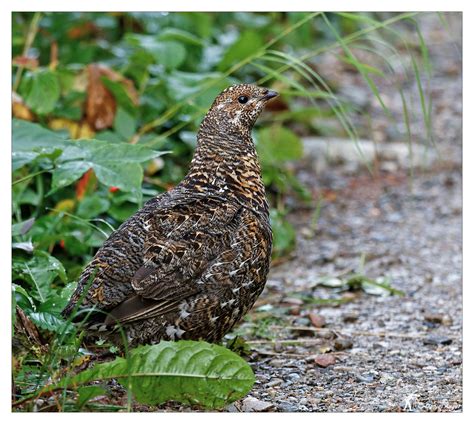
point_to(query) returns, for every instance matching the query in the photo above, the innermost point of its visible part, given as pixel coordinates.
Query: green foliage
(39, 270)
(194, 373)
(44, 92)
(284, 235)
(88, 152)
(114, 164)
(87, 393)
(277, 144)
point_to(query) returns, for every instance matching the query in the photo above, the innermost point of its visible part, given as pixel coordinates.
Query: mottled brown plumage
(192, 261)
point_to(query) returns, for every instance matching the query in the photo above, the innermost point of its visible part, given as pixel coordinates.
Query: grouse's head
(237, 108)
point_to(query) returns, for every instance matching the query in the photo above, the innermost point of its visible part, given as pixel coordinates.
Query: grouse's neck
(227, 164)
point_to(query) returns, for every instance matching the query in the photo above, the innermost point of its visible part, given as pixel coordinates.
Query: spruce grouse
(192, 261)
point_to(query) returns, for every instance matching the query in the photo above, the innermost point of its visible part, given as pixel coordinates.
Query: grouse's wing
(181, 242)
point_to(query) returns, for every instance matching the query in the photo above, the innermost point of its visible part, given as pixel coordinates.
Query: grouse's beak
(270, 95)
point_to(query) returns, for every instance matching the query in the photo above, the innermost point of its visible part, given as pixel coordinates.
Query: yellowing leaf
(65, 124)
(85, 131)
(20, 110)
(66, 205)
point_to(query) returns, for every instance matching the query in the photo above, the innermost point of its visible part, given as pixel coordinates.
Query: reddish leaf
(26, 62)
(85, 184)
(83, 30)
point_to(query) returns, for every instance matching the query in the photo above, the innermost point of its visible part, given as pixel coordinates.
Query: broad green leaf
(124, 124)
(125, 176)
(122, 211)
(87, 393)
(284, 235)
(116, 164)
(119, 153)
(22, 298)
(20, 159)
(68, 172)
(188, 372)
(278, 144)
(31, 137)
(92, 206)
(169, 53)
(182, 85)
(57, 302)
(248, 44)
(39, 271)
(47, 321)
(27, 197)
(44, 92)
(121, 95)
(54, 305)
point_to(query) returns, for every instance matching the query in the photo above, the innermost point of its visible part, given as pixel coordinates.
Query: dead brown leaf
(24, 326)
(101, 105)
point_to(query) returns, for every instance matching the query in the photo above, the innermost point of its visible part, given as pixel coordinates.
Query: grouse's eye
(243, 99)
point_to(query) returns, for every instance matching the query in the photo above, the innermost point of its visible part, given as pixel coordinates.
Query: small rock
(343, 343)
(293, 301)
(294, 376)
(386, 378)
(438, 319)
(302, 322)
(274, 382)
(368, 378)
(307, 232)
(251, 404)
(277, 363)
(324, 360)
(287, 407)
(278, 347)
(325, 348)
(380, 345)
(352, 317)
(318, 321)
(294, 310)
(437, 340)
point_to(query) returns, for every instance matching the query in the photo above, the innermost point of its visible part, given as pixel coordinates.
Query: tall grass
(375, 36)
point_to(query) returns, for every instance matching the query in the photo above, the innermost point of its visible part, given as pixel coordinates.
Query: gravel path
(372, 352)
(317, 344)
(392, 353)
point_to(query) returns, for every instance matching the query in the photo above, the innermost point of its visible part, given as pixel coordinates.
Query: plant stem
(30, 37)
(31, 176)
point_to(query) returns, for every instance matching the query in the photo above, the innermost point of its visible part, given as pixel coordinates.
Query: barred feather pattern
(192, 261)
